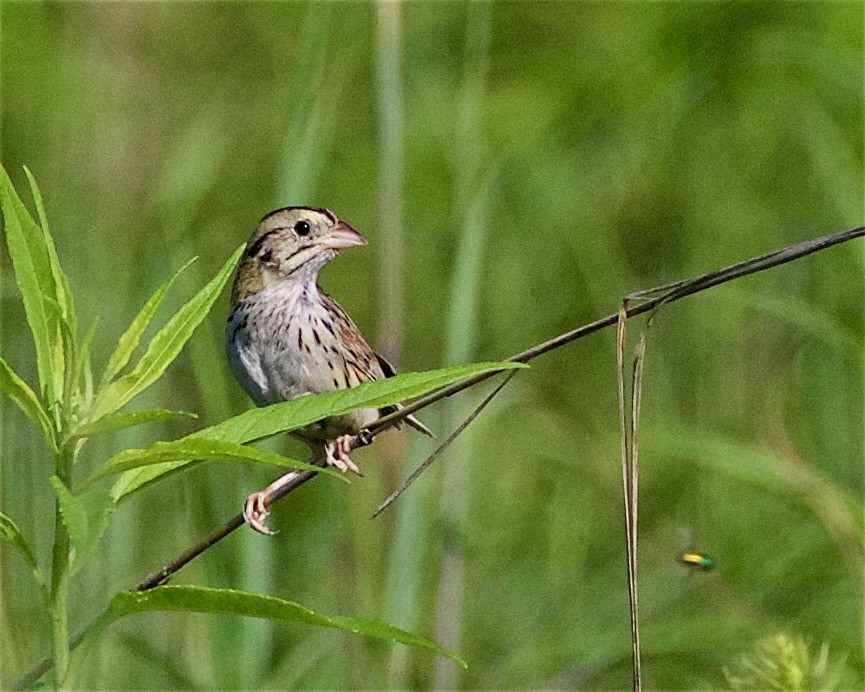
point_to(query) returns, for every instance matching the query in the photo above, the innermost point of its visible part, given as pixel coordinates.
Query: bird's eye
(301, 228)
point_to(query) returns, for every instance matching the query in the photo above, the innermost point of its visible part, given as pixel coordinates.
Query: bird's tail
(420, 427)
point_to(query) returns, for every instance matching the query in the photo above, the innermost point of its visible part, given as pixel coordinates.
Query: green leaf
(119, 421)
(165, 346)
(10, 531)
(61, 282)
(83, 378)
(34, 277)
(197, 599)
(132, 336)
(28, 402)
(200, 450)
(85, 517)
(260, 423)
(65, 353)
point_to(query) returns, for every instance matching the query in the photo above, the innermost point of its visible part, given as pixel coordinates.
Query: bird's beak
(342, 236)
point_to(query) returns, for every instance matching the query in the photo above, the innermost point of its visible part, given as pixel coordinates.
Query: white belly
(274, 356)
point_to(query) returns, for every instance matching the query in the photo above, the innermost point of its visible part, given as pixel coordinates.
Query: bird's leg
(257, 506)
(338, 453)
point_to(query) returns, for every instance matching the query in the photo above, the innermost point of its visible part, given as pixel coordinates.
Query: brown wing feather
(360, 359)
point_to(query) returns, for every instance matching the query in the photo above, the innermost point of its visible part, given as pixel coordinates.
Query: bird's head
(293, 243)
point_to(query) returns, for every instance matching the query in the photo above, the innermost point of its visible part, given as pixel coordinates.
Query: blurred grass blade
(119, 421)
(28, 402)
(10, 531)
(191, 169)
(198, 449)
(85, 517)
(261, 423)
(165, 346)
(34, 277)
(196, 599)
(132, 336)
(63, 292)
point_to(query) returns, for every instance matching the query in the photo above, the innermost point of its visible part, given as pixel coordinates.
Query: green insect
(696, 560)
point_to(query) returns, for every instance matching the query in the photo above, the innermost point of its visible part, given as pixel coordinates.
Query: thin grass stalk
(229, 651)
(402, 569)
(442, 447)
(390, 165)
(472, 197)
(453, 506)
(628, 494)
(297, 177)
(3, 444)
(60, 576)
(309, 120)
(411, 525)
(862, 251)
(636, 401)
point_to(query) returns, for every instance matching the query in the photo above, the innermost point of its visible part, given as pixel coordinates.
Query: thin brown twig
(629, 490)
(671, 293)
(668, 294)
(442, 447)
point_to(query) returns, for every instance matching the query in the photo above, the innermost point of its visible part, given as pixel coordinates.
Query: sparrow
(286, 338)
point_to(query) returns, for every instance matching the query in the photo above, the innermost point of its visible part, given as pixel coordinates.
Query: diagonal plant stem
(655, 298)
(673, 292)
(441, 448)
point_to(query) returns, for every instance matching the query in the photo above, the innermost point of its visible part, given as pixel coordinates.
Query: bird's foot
(255, 512)
(338, 453)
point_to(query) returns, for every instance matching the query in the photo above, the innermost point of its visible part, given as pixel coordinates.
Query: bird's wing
(361, 362)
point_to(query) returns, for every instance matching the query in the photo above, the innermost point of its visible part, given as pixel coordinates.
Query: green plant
(782, 662)
(70, 406)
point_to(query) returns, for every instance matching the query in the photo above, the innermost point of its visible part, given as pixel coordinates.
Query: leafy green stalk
(60, 573)
(67, 392)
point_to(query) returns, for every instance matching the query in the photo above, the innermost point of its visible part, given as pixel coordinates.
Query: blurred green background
(518, 168)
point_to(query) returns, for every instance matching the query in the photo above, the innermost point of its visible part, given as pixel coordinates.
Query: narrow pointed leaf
(28, 402)
(165, 346)
(132, 336)
(85, 517)
(61, 282)
(196, 599)
(33, 275)
(65, 352)
(10, 531)
(83, 379)
(119, 421)
(198, 449)
(260, 423)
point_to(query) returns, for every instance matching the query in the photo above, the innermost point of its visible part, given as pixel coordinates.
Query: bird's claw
(338, 453)
(255, 512)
